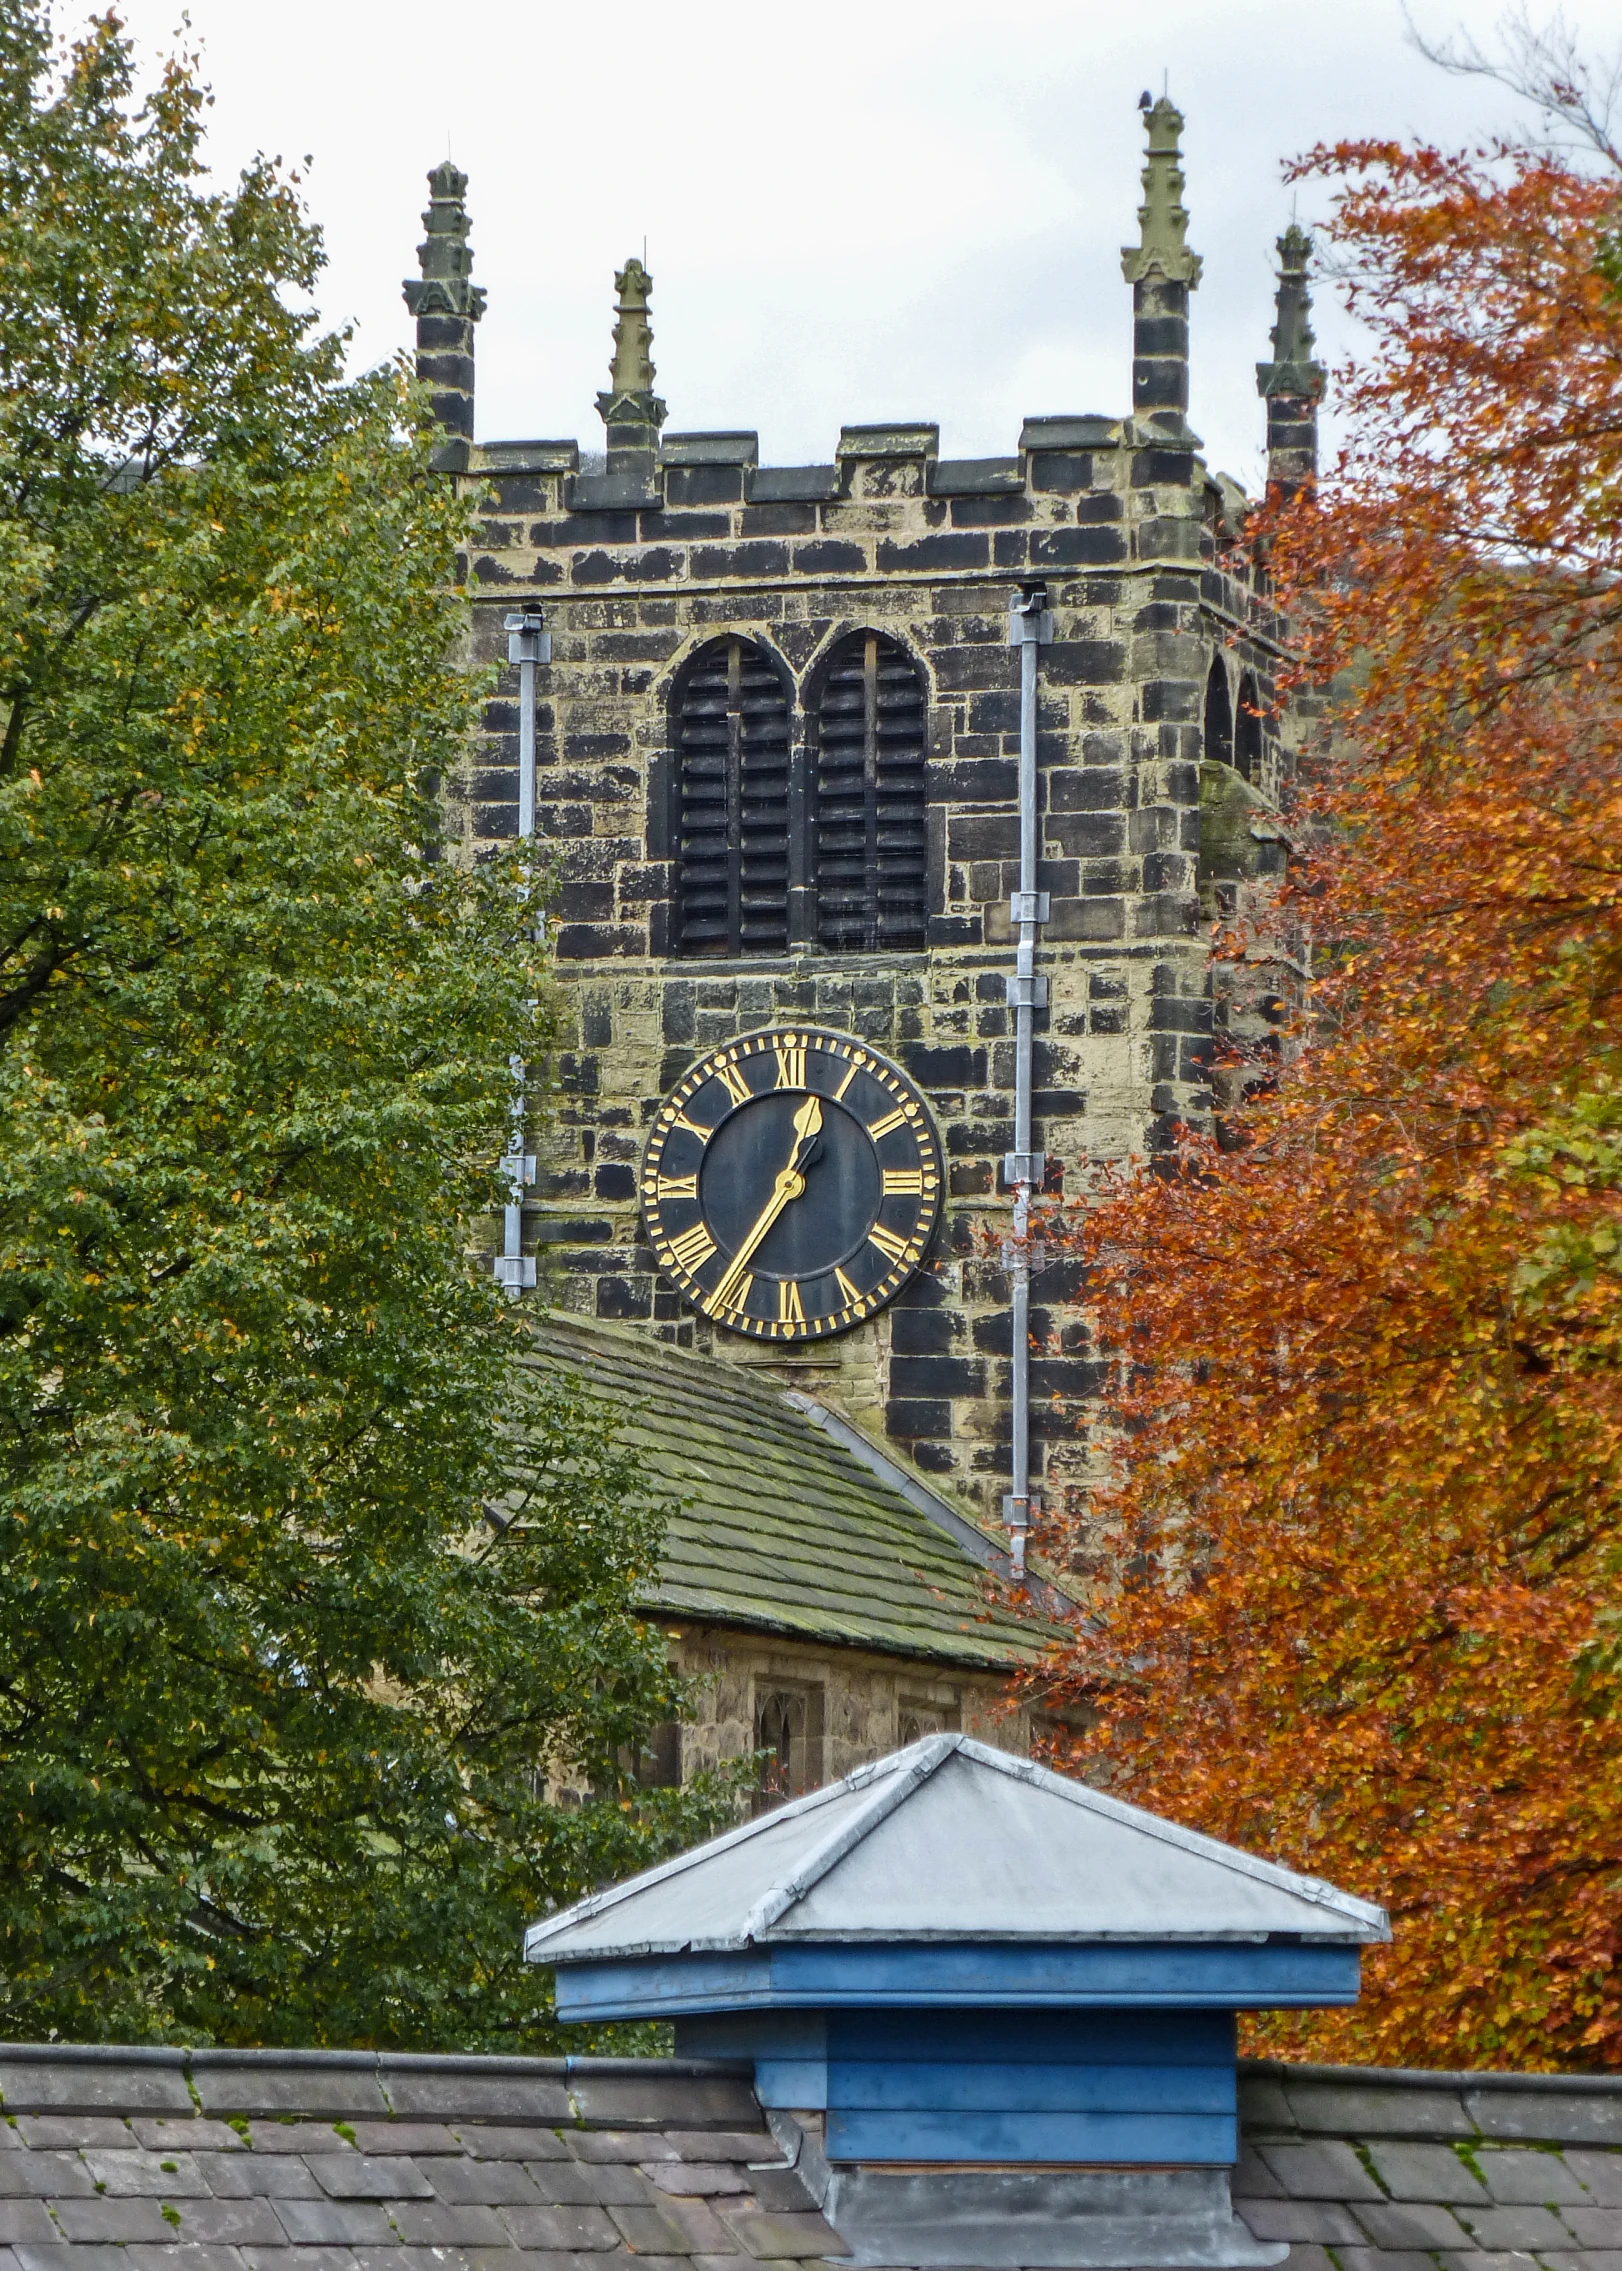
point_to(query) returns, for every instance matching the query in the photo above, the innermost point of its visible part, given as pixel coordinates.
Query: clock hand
(789, 1184)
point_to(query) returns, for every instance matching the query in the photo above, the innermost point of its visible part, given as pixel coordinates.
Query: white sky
(856, 210)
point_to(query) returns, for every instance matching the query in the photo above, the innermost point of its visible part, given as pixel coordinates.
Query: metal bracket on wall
(1028, 907)
(515, 1271)
(1027, 990)
(1028, 1167)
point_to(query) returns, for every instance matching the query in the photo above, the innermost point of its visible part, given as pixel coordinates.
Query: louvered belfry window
(732, 760)
(870, 869)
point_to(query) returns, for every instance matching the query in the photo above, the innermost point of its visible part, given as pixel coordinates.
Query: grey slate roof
(345, 2161)
(1369, 2171)
(334, 2161)
(783, 1529)
(950, 1839)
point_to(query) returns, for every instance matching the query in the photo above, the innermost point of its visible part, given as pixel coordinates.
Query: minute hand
(789, 1184)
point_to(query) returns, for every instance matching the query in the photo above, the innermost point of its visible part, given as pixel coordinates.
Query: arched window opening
(1248, 732)
(869, 867)
(1218, 715)
(732, 758)
(788, 1735)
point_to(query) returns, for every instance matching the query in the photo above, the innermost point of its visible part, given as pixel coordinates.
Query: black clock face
(791, 1183)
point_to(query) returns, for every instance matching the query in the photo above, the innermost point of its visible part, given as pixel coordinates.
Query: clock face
(791, 1182)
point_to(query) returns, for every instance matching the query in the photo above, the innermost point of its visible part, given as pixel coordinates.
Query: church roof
(782, 1528)
(950, 1840)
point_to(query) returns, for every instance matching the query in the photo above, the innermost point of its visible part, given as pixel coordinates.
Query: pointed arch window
(1247, 736)
(1218, 715)
(731, 736)
(869, 863)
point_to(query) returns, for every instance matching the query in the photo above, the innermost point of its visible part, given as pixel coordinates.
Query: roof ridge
(891, 1789)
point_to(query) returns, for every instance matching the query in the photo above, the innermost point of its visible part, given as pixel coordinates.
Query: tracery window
(731, 739)
(869, 866)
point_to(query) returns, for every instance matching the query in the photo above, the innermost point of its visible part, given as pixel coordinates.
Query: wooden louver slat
(870, 866)
(732, 756)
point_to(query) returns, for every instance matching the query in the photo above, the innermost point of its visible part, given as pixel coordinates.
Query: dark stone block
(984, 836)
(906, 1420)
(488, 571)
(1173, 701)
(944, 551)
(683, 528)
(585, 902)
(1084, 662)
(615, 1180)
(740, 560)
(1061, 469)
(659, 566)
(1166, 871)
(922, 1332)
(994, 713)
(1087, 789)
(1088, 835)
(934, 1458)
(915, 1376)
(624, 1297)
(1076, 547)
(950, 1067)
(1154, 468)
(973, 781)
(1107, 1021)
(1011, 549)
(587, 942)
(990, 512)
(703, 484)
(779, 520)
(956, 930)
(830, 556)
(594, 568)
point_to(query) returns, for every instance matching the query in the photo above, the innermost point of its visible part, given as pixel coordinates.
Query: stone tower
(844, 629)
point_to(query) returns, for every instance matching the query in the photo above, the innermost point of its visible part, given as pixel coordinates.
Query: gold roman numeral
(693, 1248)
(790, 1308)
(733, 1082)
(846, 1288)
(845, 1083)
(682, 1121)
(888, 1244)
(683, 1187)
(790, 1064)
(890, 1121)
(736, 1302)
(903, 1182)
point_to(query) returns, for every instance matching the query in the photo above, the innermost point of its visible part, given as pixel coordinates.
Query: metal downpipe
(1030, 625)
(528, 645)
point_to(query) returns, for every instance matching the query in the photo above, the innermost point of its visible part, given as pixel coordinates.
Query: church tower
(810, 902)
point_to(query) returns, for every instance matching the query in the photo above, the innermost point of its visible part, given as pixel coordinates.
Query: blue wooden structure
(956, 1960)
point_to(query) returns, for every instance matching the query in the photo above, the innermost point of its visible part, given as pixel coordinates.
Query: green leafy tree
(281, 1698)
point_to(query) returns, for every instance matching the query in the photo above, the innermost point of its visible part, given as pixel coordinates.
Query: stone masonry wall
(1135, 545)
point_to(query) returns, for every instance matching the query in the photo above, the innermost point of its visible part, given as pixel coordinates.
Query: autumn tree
(1368, 1362)
(278, 1698)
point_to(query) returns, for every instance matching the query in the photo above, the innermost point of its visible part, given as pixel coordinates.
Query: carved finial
(630, 400)
(1292, 370)
(445, 257)
(1162, 221)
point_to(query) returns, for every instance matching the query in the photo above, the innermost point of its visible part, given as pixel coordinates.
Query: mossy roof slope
(781, 1529)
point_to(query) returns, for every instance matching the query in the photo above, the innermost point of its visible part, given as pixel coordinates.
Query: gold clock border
(779, 1040)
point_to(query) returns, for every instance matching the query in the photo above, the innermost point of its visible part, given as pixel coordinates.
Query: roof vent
(991, 2011)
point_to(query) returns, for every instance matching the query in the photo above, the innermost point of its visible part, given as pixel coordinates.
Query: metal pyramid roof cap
(950, 1840)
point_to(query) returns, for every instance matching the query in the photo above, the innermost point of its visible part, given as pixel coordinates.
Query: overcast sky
(854, 210)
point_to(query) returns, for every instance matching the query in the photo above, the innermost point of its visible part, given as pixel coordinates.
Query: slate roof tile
(163, 2134)
(1329, 2221)
(1424, 2172)
(1510, 2231)
(295, 2259)
(1407, 2223)
(510, 2143)
(333, 2223)
(232, 2223)
(1593, 2227)
(431, 2223)
(408, 2137)
(582, 2229)
(25, 2219)
(783, 1529)
(1599, 2174)
(162, 2176)
(362, 2176)
(110, 2219)
(699, 2179)
(1511, 2175)
(181, 2257)
(274, 2179)
(1322, 2170)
